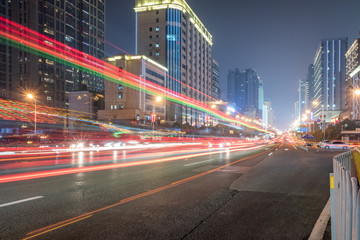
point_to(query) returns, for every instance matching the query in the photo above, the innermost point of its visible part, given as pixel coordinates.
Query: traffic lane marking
(190, 164)
(52, 229)
(270, 154)
(129, 199)
(20, 201)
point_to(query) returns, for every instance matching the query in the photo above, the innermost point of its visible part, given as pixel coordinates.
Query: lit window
(121, 87)
(48, 98)
(157, 45)
(111, 107)
(115, 107)
(157, 54)
(157, 29)
(121, 107)
(120, 95)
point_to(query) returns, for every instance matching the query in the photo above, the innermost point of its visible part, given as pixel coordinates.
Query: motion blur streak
(18, 35)
(145, 194)
(52, 173)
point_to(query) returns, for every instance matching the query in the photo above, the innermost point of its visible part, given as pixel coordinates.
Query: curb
(321, 224)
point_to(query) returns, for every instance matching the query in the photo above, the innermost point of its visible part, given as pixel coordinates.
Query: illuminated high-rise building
(215, 80)
(170, 33)
(245, 90)
(80, 24)
(303, 97)
(352, 84)
(329, 78)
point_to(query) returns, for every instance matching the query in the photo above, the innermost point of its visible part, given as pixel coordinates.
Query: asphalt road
(265, 193)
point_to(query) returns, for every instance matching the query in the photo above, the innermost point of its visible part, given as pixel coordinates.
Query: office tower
(296, 108)
(125, 103)
(352, 85)
(329, 78)
(78, 24)
(215, 80)
(303, 97)
(268, 114)
(310, 82)
(236, 90)
(245, 90)
(170, 33)
(261, 98)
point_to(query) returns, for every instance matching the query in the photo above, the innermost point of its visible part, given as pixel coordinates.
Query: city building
(125, 103)
(303, 97)
(78, 24)
(296, 112)
(170, 33)
(236, 91)
(245, 90)
(352, 85)
(268, 114)
(261, 99)
(310, 83)
(215, 80)
(329, 78)
(83, 105)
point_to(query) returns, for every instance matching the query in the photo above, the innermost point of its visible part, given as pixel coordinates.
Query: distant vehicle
(321, 144)
(336, 145)
(308, 144)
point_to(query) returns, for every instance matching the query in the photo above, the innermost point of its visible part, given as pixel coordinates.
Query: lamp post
(31, 97)
(153, 115)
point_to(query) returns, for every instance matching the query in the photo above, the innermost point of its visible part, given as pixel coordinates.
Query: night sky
(278, 38)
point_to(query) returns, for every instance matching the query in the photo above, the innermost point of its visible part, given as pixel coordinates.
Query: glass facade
(173, 48)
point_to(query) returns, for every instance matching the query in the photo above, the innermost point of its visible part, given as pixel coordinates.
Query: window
(157, 45)
(48, 98)
(121, 87)
(150, 45)
(157, 20)
(120, 95)
(150, 29)
(157, 29)
(150, 37)
(111, 107)
(150, 54)
(115, 107)
(157, 37)
(121, 107)
(157, 11)
(157, 54)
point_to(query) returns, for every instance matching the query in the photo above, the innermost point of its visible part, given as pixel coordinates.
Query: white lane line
(270, 153)
(198, 162)
(20, 201)
(286, 149)
(294, 146)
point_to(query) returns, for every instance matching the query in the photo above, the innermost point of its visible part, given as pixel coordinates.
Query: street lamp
(153, 115)
(31, 97)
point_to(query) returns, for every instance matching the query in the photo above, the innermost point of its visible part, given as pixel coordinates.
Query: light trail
(69, 56)
(58, 225)
(68, 171)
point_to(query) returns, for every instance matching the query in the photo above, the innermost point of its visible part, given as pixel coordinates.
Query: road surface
(249, 192)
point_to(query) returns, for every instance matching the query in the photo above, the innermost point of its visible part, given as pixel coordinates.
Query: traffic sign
(303, 129)
(319, 120)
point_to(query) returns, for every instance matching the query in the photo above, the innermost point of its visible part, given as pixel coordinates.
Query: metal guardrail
(345, 198)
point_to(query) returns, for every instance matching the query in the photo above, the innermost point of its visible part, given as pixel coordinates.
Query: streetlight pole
(30, 96)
